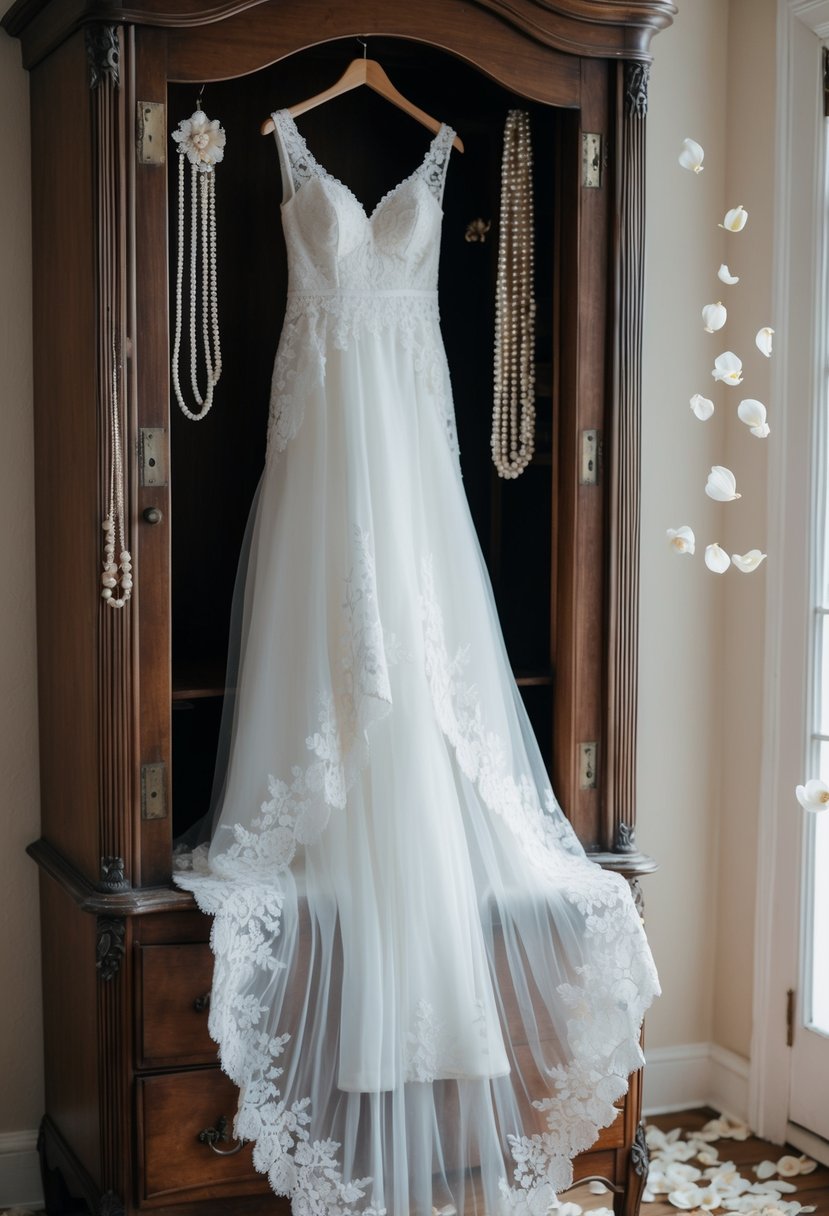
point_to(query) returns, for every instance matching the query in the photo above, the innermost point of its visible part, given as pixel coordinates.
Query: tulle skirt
(427, 994)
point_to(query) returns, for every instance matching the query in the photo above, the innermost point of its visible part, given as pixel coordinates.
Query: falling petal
(722, 487)
(691, 156)
(814, 795)
(728, 368)
(714, 316)
(682, 539)
(763, 340)
(753, 414)
(747, 562)
(717, 559)
(702, 407)
(735, 219)
(725, 276)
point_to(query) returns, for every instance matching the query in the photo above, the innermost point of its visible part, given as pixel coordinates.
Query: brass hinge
(588, 766)
(790, 1017)
(591, 159)
(151, 129)
(591, 453)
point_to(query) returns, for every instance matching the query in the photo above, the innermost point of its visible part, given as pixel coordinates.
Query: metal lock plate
(153, 791)
(153, 456)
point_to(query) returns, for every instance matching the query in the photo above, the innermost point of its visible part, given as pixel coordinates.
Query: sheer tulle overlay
(427, 994)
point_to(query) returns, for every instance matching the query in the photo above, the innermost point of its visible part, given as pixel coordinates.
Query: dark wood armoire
(137, 1112)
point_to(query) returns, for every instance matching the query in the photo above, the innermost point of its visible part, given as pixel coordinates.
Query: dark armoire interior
(515, 519)
(138, 1114)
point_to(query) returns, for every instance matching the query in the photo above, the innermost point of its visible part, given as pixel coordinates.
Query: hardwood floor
(811, 1188)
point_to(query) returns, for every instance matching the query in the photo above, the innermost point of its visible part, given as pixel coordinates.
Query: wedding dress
(426, 993)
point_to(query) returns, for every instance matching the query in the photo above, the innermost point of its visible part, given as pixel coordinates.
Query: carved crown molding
(607, 29)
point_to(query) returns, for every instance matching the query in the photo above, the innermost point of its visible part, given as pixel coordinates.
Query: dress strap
(295, 161)
(436, 161)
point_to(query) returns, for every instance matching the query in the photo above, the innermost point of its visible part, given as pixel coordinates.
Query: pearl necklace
(513, 412)
(116, 575)
(197, 148)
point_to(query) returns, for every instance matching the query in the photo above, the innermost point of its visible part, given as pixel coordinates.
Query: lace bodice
(351, 273)
(334, 245)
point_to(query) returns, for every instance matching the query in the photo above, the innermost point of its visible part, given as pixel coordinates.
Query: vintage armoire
(138, 1115)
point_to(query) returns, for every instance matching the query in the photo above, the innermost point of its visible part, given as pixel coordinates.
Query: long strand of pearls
(513, 410)
(116, 579)
(201, 142)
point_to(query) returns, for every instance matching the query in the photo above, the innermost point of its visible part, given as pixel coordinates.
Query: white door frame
(797, 299)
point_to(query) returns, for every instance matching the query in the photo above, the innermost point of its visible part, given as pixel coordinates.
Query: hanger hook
(364, 45)
(200, 96)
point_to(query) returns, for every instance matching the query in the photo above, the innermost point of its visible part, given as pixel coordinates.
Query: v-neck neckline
(324, 173)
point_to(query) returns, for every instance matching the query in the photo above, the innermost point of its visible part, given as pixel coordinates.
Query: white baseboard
(695, 1074)
(19, 1171)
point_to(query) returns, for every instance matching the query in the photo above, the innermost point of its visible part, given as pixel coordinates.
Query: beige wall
(681, 601)
(701, 637)
(749, 180)
(21, 1082)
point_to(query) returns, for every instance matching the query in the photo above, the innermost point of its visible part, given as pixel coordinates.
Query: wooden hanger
(369, 72)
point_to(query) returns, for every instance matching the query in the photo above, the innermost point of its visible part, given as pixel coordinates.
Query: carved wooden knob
(202, 1002)
(152, 515)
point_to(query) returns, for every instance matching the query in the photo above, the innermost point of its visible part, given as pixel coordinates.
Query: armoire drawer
(175, 1166)
(173, 994)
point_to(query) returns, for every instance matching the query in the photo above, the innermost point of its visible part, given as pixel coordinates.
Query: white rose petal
(648, 1196)
(678, 1173)
(763, 340)
(682, 539)
(568, 1209)
(714, 316)
(702, 407)
(691, 156)
(596, 1188)
(708, 1156)
(722, 487)
(717, 559)
(686, 1197)
(728, 368)
(735, 219)
(751, 412)
(748, 563)
(814, 795)
(725, 276)
(766, 1169)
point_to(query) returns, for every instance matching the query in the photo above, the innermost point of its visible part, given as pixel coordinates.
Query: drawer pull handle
(211, 1136)
(202, 1002)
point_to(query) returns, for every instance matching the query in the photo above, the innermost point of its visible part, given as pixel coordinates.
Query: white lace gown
(426, 993)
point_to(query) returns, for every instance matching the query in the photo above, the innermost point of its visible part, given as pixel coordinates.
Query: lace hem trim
(245, 893)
